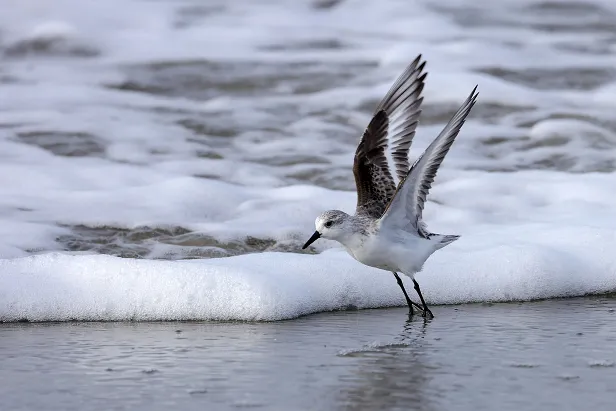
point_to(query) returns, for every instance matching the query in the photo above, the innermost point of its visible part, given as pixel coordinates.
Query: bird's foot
(427, 313)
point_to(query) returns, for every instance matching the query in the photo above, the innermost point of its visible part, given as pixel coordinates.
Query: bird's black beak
(312, 239)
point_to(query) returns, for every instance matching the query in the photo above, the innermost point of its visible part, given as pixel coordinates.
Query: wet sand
(548, 355)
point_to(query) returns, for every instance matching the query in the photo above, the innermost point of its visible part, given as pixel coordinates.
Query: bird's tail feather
(443, 240)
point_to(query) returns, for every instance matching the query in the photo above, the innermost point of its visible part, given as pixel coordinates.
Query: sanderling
(387, 230)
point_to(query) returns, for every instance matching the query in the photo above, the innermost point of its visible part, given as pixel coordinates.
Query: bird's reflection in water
(390, 376)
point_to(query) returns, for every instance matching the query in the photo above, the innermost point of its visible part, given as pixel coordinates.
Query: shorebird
(387, 230)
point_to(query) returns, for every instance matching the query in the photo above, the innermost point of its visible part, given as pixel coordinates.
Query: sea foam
(276, 286)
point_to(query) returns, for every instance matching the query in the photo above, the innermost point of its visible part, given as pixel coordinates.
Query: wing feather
(406, 207)
(402, 103)
(385, 143)
(375, 185)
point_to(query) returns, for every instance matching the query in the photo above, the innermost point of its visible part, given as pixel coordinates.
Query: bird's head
(331, 224)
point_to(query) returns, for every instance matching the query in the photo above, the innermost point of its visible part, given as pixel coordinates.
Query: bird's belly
(406, 255)
(375, 255)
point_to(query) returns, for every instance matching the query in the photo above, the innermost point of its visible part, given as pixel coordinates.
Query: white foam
(270, 286)
(274, 286)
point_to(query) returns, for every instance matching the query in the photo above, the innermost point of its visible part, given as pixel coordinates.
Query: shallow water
(548, 355)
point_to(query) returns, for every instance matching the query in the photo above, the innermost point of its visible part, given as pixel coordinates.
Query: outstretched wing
(385, 144)
(406, 208)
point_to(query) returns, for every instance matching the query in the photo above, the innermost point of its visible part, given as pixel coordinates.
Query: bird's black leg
(408, 300)
(425, 306)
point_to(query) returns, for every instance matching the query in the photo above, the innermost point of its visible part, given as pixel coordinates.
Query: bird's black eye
(329, 224)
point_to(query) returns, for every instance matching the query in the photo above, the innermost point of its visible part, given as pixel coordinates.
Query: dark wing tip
(421, 67)
(475, 93)
(469, 103)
